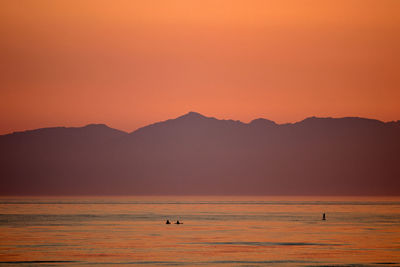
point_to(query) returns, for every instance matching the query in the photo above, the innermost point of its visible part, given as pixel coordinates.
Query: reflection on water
(225, 231)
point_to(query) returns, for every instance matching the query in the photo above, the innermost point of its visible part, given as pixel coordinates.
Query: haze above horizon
(131, 63)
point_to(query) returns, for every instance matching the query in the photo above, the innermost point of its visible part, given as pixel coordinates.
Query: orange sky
(130, 63)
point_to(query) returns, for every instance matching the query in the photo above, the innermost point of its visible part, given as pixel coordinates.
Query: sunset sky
(131, 63)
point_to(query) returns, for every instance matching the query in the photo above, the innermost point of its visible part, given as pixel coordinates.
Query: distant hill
(194, 154)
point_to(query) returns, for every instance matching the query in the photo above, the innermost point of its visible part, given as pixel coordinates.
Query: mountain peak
(193, 115)
(262, 122)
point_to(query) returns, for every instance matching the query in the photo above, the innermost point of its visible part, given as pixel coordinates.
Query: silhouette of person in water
(167, 222)
(323, 217)
(177, 222)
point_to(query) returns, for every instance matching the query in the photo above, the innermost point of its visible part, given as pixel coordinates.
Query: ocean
(216, 231)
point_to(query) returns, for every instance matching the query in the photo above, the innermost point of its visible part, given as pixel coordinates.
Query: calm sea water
(222, 231)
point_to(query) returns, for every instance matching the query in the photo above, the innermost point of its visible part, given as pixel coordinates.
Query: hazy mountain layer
(194, 154)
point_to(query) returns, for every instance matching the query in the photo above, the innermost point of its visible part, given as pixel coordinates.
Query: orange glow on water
(223, 230)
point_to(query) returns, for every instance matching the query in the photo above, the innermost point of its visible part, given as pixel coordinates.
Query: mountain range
(198, 155)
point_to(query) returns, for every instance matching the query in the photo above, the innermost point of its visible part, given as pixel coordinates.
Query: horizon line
(197, 113)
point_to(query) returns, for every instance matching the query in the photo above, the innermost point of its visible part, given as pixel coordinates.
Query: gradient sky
(130, 63)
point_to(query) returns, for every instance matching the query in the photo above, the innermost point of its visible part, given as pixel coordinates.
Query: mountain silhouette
(195, 154)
